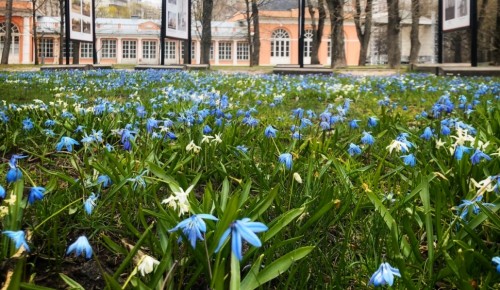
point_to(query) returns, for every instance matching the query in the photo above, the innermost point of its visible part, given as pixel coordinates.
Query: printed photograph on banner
(81, 20)
(456, 14)
(177, 19)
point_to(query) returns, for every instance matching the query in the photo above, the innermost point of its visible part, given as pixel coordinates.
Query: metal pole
(190, 38)
(302, 7)
(473, 33)
(68, 29)
(163, 31)
(94, 38)
(440, 32)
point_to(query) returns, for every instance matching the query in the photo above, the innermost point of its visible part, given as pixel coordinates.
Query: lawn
(187, 180)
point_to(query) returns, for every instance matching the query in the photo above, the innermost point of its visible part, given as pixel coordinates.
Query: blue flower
(14, 158)
(372, 122)
(270, 132)
(109, 147)
(49, 123)
(27, 124)
(170, 135)
(384, 275)
(286, 158)
(80, 246)
(90, 203)
(2, 192)
(66, 142)
(36, 193)
(193, 226)
(126, 137)
(496, 260)
(207, 130)
(459, 151)
(151, 124)
(409, 160)
(353, 124)
(18, 237)
(478, 156)
(427, 135)
(240, 230)
(242, 148)
(138, 180)
(13, 175)
(354, 149)
(367, 138)
(104, 180)
(445, 130)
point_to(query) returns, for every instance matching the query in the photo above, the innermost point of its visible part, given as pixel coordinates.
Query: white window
(108, 48)
(329, 47)
(14, 33)
(280, 43)
(212, 50)
(193, 49)
(308, 38)
(149, 49)
(225, 50)
(46, 47)
(70, 49)
(129, 49)
(170, 49)
(86, 50)
(242, 51)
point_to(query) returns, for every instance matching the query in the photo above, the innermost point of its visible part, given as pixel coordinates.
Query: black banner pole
(67, 21)
(190, 39)
(473, 33)
(163, 30)
(440, 32)
(94, 38)
(302, 8)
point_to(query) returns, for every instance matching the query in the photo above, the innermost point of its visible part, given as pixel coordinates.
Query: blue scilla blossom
(126, 137)
(478, 156)
(151, 124)
(207, 130)
(427, 135)
(324, 125)
(2, 192)
(36, 193)
(409, 160)
(219, 122)
(193, 226)
(354, 149)
(13, 175)
(270, 132)
(372, 121)
(402, 138)
(89, 203)
(140, 111)
(13, 160)
(49, 132)
(384, 275)
(242, 148)
(3, 117)
(286, 159)
(109, 147)
(298, 113)
(459, 151)
(27, 124)
(496, 261)
(19, 239)
(79, 129)
(80, 247)
(466, 205)
(353, 124)
(170, 135)
(104, 181)
(67, 143)
(240, 230)
(138, 181)
(304, 122)
(49, 123)
(250, 121)
(445, 130)
(367, 138)
(296, 135)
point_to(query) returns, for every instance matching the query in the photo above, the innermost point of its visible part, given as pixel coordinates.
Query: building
(137, 41)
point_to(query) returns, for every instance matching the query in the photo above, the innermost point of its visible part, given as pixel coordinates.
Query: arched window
(308, 38)
(280, 44)
(14, 44)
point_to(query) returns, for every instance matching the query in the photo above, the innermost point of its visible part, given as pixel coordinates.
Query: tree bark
(317, 29)
(61, 31)
(336, 8)
(414, 34)
(35, 34)
(255, 60)
(363, 28)
(393, 34)
(76, 52)
(206, 31)
(496, 53)
(8, 32)
(249, 31)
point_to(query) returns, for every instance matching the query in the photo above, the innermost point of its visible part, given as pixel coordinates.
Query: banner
(80, 15)
(456, 14)
(177, 18)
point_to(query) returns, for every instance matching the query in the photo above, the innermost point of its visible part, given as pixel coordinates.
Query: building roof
(280, 5)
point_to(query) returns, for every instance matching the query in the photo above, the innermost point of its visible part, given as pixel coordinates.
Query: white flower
(179, 200)
(217, 138)
(147, 265)
(484, 185)
(398, 145)
(439, 143)
(206, 139)
(193, 147)
(462, 137)
(297, 177)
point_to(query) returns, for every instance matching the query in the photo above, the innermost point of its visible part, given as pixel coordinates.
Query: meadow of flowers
(195, 180)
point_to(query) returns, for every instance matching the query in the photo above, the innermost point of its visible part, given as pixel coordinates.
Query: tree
(496, 53)
(253, 28)
(393, 34)
(414, 41)
(35, 8)
(61, 30)
(317, 29)
(8, 32)
(206, 31)
(336, 8)
(363, 22)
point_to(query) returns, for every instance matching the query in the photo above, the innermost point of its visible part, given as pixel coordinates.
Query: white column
(234, 53)
(25, 50)
(198, 51)
(119, 50)
(216, 52)
(139, 50)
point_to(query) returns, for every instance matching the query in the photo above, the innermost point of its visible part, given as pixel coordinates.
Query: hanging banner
(80, 16)
(456, 14)
(177, 19)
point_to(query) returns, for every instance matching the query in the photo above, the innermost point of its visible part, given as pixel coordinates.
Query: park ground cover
(193, 180)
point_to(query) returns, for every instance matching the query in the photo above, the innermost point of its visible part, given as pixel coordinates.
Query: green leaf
(426, 201)
(275, 269)
(70, 282)
(264, 204)
(28, 286)
(281, 222)
(234, 283)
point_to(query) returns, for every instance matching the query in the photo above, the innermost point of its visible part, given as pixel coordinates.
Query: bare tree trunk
(256, 34)
(415, 43)
(336, 8)
(249, 31)
(35, 34)
(76, 52)
(496, 53)
(317, 29)
(61, 31)
(393, 32)
(363, 28)
(206, 31)
(8, 35)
